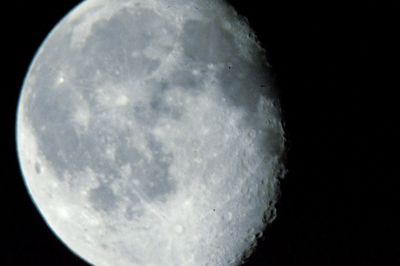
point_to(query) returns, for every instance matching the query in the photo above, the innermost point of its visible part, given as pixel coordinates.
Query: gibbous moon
(149, 133)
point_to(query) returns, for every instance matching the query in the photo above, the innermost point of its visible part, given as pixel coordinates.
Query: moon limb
(196, 125)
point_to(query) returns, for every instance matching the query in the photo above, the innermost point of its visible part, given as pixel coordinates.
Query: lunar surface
(149, 133)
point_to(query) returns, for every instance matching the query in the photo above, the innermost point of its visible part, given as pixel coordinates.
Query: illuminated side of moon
(149, 134)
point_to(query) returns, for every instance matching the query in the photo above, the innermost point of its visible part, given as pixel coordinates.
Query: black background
(331, 63)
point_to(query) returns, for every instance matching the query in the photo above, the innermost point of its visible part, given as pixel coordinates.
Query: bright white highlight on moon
(149, 133)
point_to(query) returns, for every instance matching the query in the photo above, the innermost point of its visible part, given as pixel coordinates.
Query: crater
(38, 168)
(178, 229)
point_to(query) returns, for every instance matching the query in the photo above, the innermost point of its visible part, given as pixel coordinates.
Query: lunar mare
(149, 133)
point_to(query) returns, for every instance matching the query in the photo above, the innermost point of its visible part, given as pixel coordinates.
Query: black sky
(331, 64)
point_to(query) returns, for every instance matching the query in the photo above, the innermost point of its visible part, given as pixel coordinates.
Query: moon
(150, 133)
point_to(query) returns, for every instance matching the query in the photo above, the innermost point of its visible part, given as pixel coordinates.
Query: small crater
(121, 100)
(259, 235)
(251, 231)
(252, 133)
(178, 228)
(38, 168)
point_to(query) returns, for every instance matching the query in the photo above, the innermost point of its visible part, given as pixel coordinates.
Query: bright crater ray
(149, 134)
